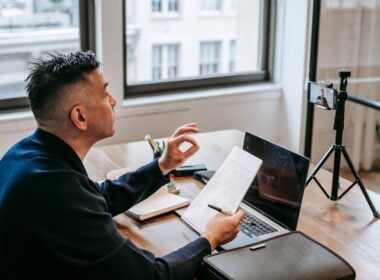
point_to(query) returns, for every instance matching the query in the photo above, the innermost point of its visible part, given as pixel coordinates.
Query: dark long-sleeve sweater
(56, 223)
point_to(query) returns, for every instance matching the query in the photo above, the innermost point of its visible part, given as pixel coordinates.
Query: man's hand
(222, 229)
(173, 157)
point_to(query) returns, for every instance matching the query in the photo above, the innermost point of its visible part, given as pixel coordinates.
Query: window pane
(157, 63)
(173, 55)
(173, 6)
(28, 28)
(211, 5)
(210, 58)
(156, 5)
(211, 44)
(232, 56)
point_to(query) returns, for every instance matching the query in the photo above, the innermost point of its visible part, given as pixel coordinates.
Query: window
(210, 58)
(165, 6)
(232, 56)
(165, 61)
(211, 5)
(173, 63)
(229, 47)
(157, 63)
(233, 5)
(156, 5)
(27, 29)
(173, 6)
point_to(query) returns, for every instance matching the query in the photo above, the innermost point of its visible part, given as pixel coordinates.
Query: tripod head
(343, 75)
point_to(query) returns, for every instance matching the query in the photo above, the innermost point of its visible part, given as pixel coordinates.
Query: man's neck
(76, 141)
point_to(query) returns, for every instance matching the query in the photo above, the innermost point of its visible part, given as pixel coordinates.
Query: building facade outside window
(209, 58)
(27, 29)
(203, 30)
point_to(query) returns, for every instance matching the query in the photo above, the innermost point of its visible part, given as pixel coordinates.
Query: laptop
(273, 201)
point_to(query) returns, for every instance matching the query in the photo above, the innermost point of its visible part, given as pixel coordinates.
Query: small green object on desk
(172, 188)
(160, 148)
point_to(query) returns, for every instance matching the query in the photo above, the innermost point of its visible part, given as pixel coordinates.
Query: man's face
(100, 107)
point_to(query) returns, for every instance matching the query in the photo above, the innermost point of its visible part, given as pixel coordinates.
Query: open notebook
(158, 203)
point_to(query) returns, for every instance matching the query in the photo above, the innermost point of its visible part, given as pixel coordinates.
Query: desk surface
(346, 226)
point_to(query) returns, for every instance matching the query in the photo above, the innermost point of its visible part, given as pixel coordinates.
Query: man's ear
(78, 117)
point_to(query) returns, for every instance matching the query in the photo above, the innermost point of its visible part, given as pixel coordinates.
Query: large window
(218, 42)
(29, 28)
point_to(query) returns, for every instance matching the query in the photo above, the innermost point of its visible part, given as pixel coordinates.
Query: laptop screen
(278, 188)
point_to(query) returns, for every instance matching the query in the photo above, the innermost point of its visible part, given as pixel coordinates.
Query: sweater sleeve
(129, 262)
(130, 188)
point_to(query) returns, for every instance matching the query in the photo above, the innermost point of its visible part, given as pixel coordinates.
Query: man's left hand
(173, 156)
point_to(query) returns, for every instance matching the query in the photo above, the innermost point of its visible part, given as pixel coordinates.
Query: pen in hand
(220, 210)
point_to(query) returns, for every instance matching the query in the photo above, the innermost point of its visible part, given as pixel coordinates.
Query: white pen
(259, 246)
(151, 143)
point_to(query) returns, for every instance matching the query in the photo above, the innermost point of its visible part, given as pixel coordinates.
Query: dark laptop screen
(278, 188)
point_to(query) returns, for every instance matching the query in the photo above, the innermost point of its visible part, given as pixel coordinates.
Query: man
(55, 222)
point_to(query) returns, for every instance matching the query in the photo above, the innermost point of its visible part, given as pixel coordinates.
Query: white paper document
(225, 190)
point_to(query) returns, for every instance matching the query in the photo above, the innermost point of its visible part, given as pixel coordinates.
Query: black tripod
(339, 148)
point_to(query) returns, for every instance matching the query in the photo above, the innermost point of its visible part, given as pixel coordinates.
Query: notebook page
(225, 189)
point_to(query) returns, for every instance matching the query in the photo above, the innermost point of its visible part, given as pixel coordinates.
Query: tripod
(339, 148)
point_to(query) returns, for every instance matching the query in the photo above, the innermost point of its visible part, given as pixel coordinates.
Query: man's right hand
(222, 229)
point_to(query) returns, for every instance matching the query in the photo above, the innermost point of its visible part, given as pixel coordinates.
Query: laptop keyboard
(252, 226)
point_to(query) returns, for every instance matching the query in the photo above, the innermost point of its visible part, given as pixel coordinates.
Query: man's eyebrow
(105, 84)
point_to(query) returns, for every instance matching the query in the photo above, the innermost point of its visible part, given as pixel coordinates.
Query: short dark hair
(53, 72)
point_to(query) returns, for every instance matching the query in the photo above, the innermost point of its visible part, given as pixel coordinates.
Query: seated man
(55, 222)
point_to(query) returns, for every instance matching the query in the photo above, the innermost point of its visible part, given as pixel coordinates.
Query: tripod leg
(320, 163)
(359, 181)
(336, 171)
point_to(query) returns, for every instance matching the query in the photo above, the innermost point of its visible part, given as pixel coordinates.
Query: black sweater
(56, 223)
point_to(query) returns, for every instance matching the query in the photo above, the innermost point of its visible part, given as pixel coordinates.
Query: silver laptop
(273, 202)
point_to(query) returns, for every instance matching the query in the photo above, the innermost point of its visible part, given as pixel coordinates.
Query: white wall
(270, 110)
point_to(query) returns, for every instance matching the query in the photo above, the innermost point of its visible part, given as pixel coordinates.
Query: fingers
(239, 215)
(187, 128)
(186, 138)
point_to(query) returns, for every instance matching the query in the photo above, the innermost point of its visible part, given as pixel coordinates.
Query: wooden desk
(346, 226)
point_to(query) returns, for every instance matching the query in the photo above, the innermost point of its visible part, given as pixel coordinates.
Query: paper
(225, 190)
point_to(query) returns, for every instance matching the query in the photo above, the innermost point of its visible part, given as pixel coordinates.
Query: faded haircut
(51, 74)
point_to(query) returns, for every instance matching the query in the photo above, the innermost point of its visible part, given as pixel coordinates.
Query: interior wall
(243, 111)
(349, 38)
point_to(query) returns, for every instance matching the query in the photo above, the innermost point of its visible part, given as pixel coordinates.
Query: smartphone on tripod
(323, 95)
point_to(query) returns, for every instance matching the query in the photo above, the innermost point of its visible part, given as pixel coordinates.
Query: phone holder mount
(338, 148)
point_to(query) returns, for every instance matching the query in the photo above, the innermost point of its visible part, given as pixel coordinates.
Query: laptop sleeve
(290, 256)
